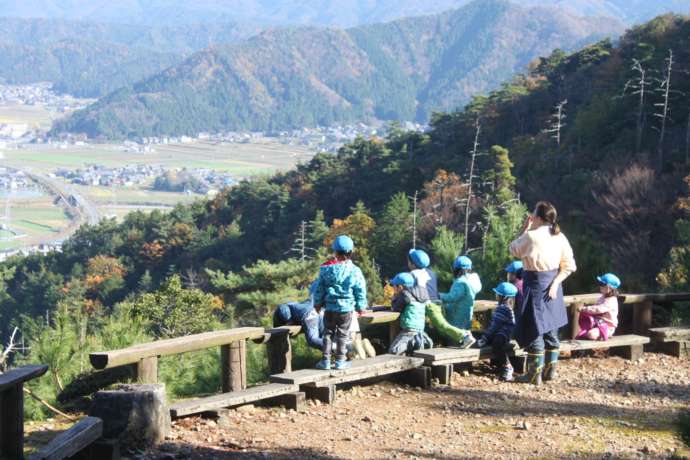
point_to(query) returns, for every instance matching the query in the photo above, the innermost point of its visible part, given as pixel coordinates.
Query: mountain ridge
(293, 77)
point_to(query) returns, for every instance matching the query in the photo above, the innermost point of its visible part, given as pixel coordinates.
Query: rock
(136, 415)
(246, 409)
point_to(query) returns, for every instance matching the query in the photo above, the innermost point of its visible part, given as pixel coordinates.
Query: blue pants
(548, 341)
(311, 326)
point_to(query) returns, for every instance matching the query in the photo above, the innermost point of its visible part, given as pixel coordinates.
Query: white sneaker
(467, 341)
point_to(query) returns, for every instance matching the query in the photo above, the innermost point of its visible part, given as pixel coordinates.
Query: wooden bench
(12, 409)
(76, 440)
(674, 340)
(442, 360)
(232, 343)
(320, 384)
(234, 398)
(628, 346)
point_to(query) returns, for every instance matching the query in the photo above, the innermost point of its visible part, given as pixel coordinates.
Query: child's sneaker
(506, 374)
(467, 341)
(342, 364)
(324, 364)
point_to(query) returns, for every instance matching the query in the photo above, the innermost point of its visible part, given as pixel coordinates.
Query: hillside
(290, 78)
(343, 13)
(81, 68)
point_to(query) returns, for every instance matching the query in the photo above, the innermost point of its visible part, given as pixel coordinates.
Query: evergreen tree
(500, 175)
(393, 235)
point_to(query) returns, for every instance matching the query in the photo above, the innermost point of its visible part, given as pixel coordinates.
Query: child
(418, 263)
(459, 302)
(501, 329)
(341, 288)
(412, 316)
(599, 321)
(514, 270)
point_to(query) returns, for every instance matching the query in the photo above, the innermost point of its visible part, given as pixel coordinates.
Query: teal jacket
(458, 304)
(412, 311)
(341, 287)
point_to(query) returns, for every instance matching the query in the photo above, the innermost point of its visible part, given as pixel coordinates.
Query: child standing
(412, 314)
(599, 321)
(501, 329)
(341, 288)
(418, 263)
(459, 302)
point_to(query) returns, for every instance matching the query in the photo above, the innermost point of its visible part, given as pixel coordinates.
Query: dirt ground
(599, 408)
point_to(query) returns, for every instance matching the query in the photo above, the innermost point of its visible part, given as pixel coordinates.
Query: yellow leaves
(153, 251)
(388, 293)
(358, 225)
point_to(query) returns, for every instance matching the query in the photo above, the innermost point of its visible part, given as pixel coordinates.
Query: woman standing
(547, 260)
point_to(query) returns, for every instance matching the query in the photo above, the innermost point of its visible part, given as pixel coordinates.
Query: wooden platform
(73, 441)
(617, 341)
(234, 398)
(360, 370)
(442, 356)
(673, 340)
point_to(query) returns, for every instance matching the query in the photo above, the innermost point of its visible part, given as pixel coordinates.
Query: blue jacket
(292, 313)
(341, 287)
(502, 323)
(459, 302)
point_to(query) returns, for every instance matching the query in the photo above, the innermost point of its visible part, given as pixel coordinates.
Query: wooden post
(443, 373)
(642, 317)
(279, 350)
(234, 366)
(325, 394)
(393, 331)
(147, 370)
(575, 321)
(12, 423)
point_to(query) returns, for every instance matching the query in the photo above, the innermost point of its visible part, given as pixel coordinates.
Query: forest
(604, 133)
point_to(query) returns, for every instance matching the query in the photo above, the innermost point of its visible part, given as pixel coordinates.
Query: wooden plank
(12, 422)
(108, 359)
(360, 369)
(279, 350)
(575, 319)
(669, 334)
(294, 331)
(448, 355)
(69, 443)
(378, 317)
(613, 342)
(20, 375)
(234, 398)
(147, 370)
(233, 359)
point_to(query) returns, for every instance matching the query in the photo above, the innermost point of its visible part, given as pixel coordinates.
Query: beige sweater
(540, 251)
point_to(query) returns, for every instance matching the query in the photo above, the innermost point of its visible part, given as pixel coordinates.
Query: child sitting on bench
(599, 321)
(458, 304)
(501, 329)
(412, 317)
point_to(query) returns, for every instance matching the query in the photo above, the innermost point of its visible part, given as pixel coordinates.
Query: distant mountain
(304, 77)
(342, 13)
(173, 39)
(81, 68)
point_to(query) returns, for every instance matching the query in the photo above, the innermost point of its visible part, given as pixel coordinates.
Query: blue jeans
(548, 341)
(312, 328)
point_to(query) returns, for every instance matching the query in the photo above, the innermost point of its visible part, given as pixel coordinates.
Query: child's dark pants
(499, 344)
(336, 329)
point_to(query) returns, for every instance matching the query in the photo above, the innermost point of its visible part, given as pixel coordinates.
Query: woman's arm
(566, 268)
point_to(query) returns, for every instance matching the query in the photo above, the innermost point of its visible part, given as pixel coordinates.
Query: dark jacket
(502, 323)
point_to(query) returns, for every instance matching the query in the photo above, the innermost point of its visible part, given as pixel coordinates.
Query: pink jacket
(606, 308)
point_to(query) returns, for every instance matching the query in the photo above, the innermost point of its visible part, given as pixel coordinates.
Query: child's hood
(474, 283)
(336, 273)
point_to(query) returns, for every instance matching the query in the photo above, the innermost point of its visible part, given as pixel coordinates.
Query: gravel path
(599, 408)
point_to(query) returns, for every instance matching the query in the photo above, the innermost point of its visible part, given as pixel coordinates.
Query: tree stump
(136, 415)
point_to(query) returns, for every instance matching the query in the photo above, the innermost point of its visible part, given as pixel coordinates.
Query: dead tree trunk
(665, 89)
(475, 151)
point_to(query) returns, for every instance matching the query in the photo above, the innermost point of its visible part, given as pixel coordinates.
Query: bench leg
(443, 373)
(234, 366)
(147, 370)
(325, 394)
(418, 377)
(296, 401)
(632, 352)
(279, 349)
(12, 423)
(680, 349)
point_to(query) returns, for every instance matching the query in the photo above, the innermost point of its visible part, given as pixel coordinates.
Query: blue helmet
(403, 279)
(419, 258)
(463, 262)
(343, 243)
(514, 266)
(506, 290)
(609, 279)
(282, 315)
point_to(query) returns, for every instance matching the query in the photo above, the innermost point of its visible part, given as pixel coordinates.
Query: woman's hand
(553, 291)
(528, 223)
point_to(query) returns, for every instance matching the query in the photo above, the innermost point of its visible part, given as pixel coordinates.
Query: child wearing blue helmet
(500, 330)
(418, 262)
(412, 316)
(599, 321)
(458, 304)
(340, 289)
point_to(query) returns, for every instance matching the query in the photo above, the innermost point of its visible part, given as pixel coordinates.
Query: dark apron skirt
(536, 315)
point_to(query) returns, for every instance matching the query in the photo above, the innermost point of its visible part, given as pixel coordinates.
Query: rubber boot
(550, 365)
(535, 366)
(368, 348)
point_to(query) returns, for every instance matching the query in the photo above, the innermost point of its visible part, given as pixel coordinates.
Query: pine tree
(392, 235)
(503, 181)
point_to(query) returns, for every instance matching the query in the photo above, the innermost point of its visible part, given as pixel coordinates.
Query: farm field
(260, 157)
(33, 115)
(32, 220)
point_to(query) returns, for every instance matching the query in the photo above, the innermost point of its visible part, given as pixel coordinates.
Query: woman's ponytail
(547, 212)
